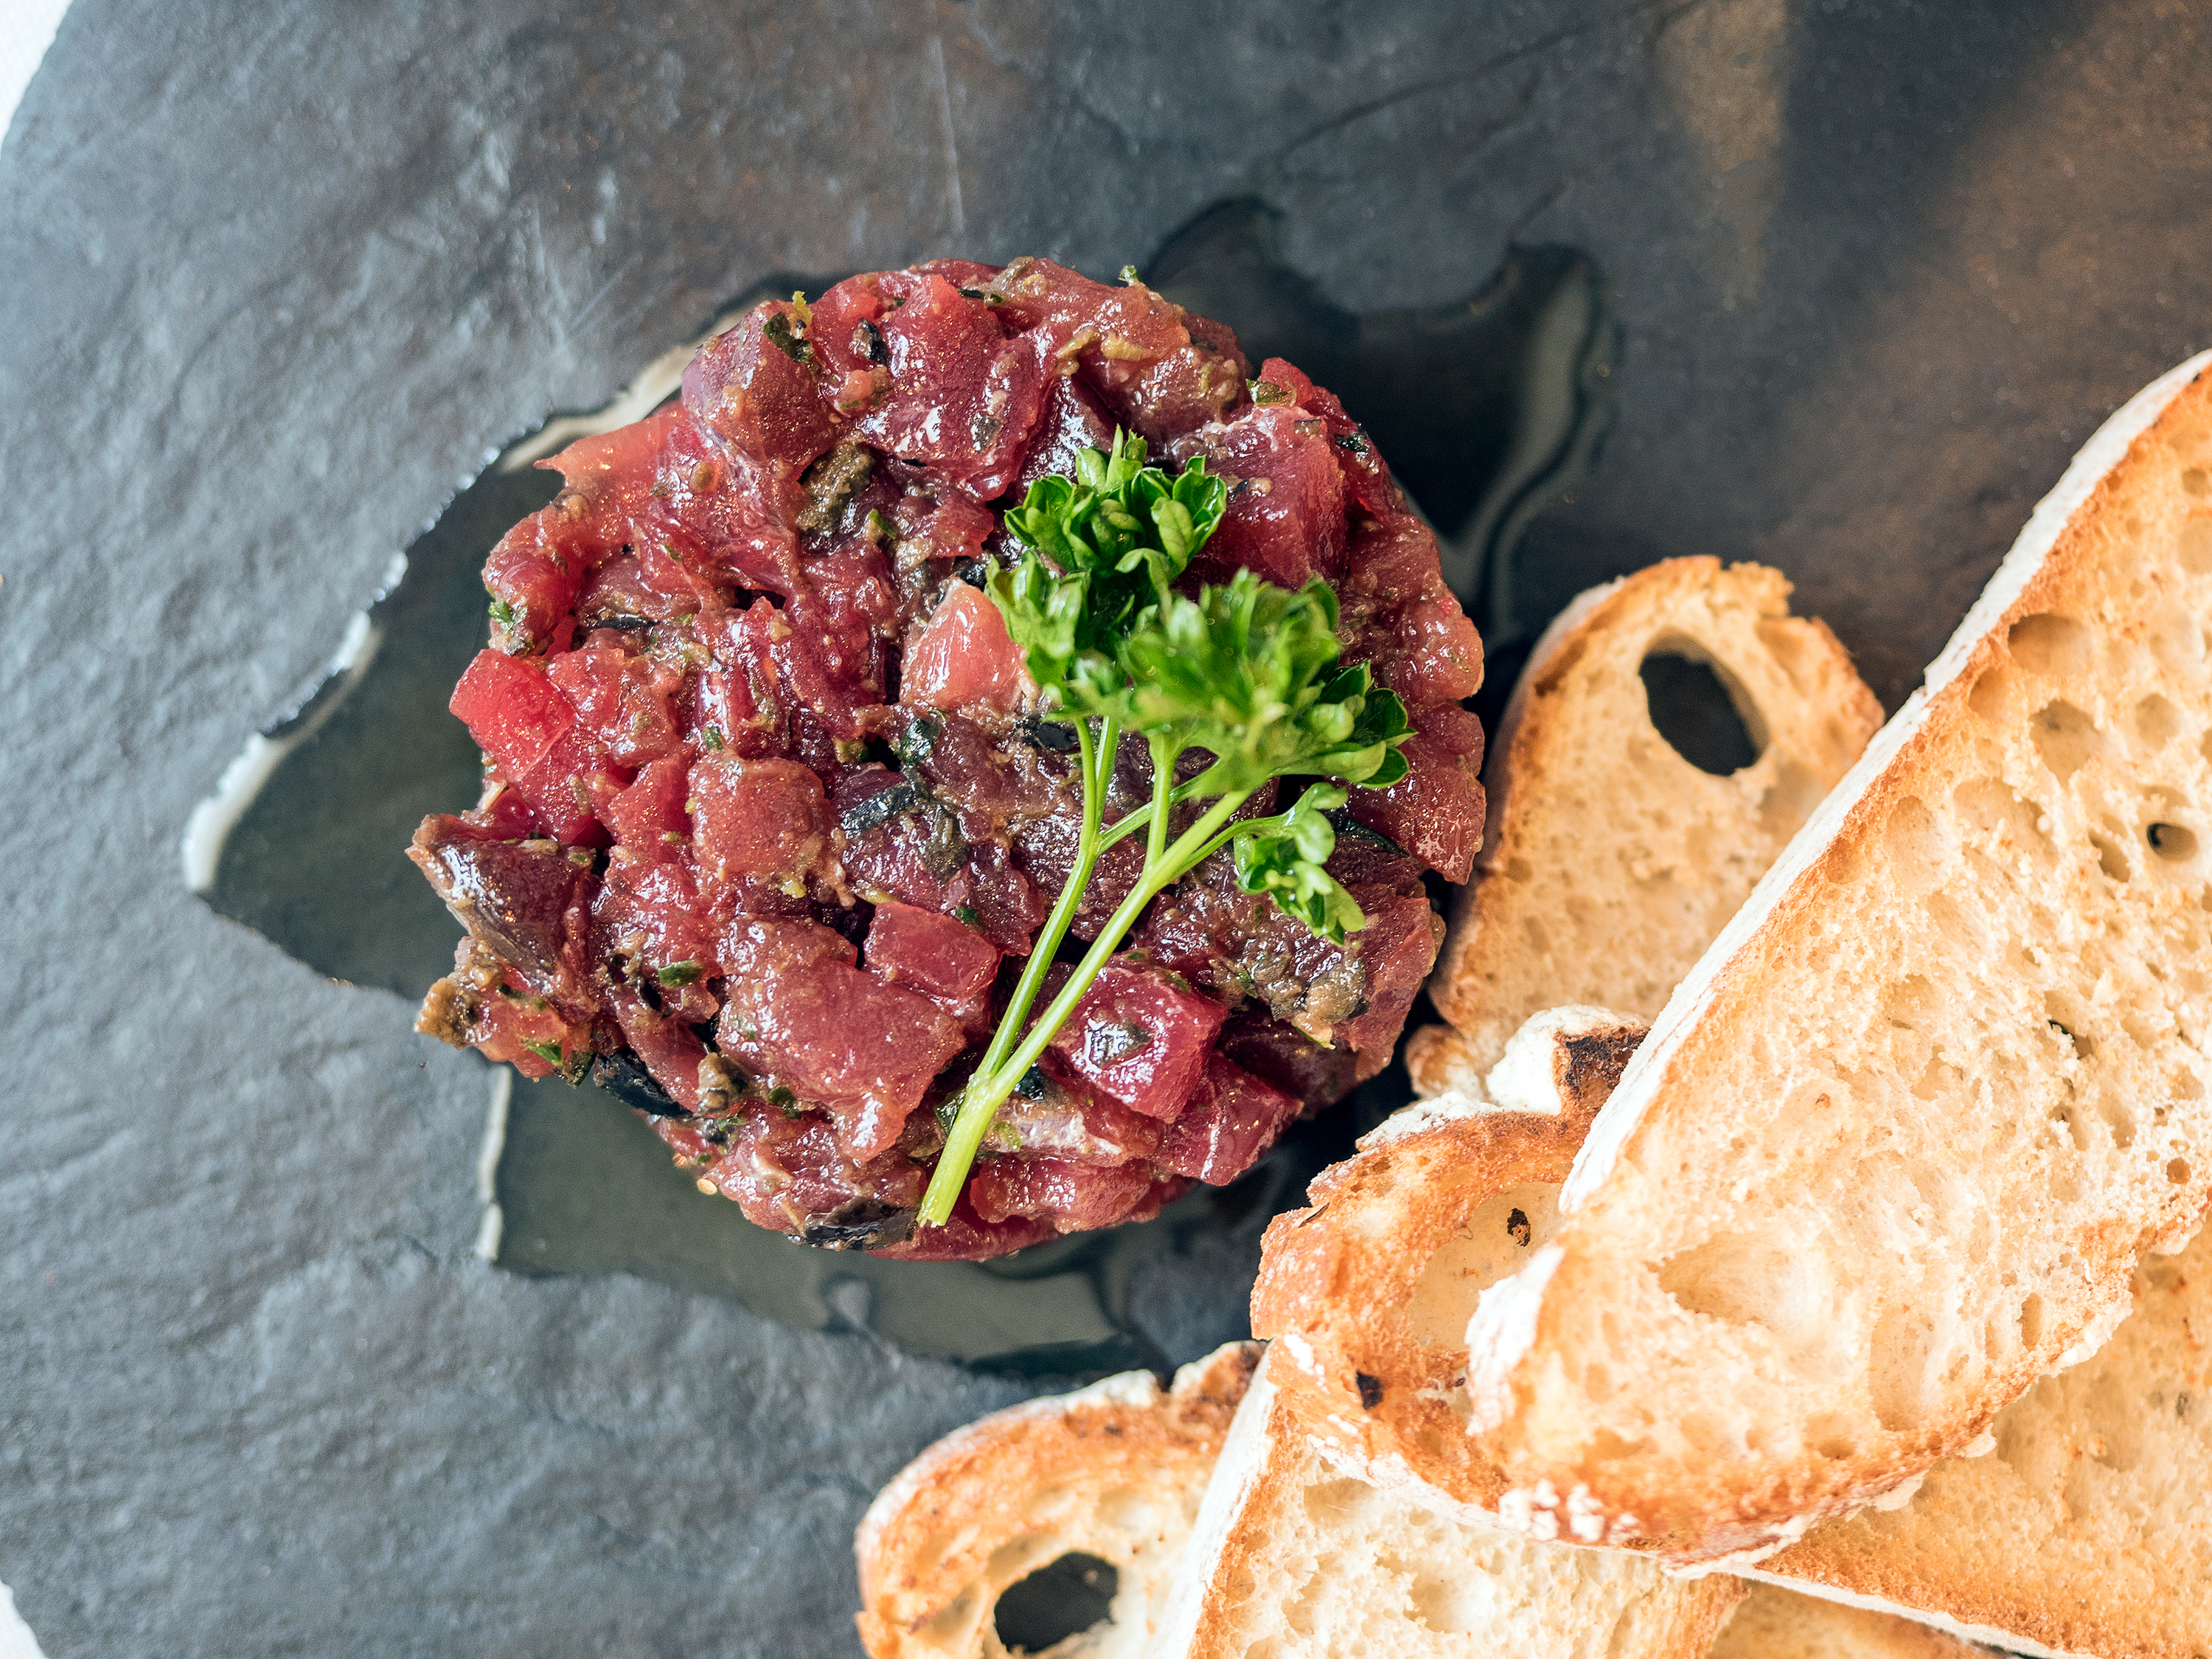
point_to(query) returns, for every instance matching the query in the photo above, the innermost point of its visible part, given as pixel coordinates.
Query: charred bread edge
(1640, 1083)
(1988, 1636)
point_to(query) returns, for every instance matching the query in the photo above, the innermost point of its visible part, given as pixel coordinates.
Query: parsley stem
(988, 1088)
(1096, 765)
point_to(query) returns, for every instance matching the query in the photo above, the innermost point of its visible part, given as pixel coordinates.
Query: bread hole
(1746, 1280)
(2158, 722)
(1495, 1240)
(1830, 1435)
(1918, 847)
(1447, 1607)
(2067, 739)
(1991, 697)
(1899, 1366)
(2031, 1321)
(2172, 842)
(2015, 824)
(1060, 1599)
(1911, 1003)
(2077, 1134)
(2176, 1172)
(2192, 481)
(2119, 1120)
(1699, 707)
(2050, 644)
(2194, 544)
(2110, 858)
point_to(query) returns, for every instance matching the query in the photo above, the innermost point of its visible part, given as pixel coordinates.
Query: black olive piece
(1348, 828)
(1032, 1085)
(880, 809)
(1371, 1390)
(868, 344)
(624, 1077)
(977, 573)
(858, 1223)
(1035, 730)
(624, 623)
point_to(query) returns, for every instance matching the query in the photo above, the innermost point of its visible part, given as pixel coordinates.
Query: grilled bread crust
(1112, 1471)
(1293, 1557)
(1610, 861)
(1893, 1147)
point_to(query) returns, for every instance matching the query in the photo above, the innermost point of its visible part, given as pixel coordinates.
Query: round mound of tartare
(775, 810)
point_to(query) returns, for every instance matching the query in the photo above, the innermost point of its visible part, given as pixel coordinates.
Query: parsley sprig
(1246, 673)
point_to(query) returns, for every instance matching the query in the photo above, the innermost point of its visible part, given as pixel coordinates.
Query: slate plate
(280, 272)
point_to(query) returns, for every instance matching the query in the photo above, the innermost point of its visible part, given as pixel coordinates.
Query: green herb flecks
(686, 972)
(1247, 672)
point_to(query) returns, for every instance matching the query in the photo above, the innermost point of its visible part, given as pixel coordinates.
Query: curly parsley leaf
(1284, 858)
(1102, 547)
(1249, 672)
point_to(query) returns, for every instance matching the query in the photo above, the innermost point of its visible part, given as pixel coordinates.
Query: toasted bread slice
(1366, 1291)
(1610, 860)
(2086, 1529)
(1895, 1146)
(1296, 1558)
(1113, 1472)
(1774, 1623)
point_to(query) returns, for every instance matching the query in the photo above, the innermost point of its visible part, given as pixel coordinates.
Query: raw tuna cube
(933, 954)
(963, 657)
(1222, 1133)
(964, 396)
(802, 1014)
(1285, 512)
(621, 700)
(1078, 1197)
(765, 819)
(1139, 1038)
(647, 815)
(1434, 811)
(748, 387)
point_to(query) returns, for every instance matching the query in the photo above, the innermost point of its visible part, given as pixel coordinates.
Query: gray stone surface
(278, 276)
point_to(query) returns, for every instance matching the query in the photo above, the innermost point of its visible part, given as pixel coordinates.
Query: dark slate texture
(278, 276)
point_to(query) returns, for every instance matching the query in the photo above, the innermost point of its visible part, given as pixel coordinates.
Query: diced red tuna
(1435, 811)
(1158, 371)
(835, 656)
(1366, 476)
(520, 718)
(1222, 1133)
(667, 1045)
(1076, 1197)
(1071, 422)
(620, 700)
(1138, 1037)
(648, 818)
(1398, 616)
(935, 955)
(767, 819)
(799, 1013)
(965, 396)
(748, 386)
(732, 753)
(963, 657)
(533, 576)
(1284, 517)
